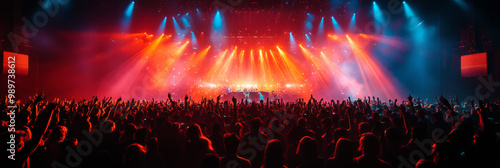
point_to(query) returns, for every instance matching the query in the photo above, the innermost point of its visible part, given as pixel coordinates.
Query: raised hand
(445, 102)
(481, 104)
(39, 98)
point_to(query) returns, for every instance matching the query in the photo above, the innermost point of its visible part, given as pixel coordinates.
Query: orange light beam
(201, 56)
(241, 66)
(375, 71)
(223, 74)
(276, 64)
(316, 64)
(360, 66)
(333, 68)
(290, 64)
(252, 67)
(216, 68)
(181, 48)
(271, 76)
(131, 68)
(262, 68)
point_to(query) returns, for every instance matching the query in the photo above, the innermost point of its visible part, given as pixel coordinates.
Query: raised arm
(402, 111)
(217, 104)
(94, 100)
(130, 106)
(235, 111)
(412, 108)
(484, 122)
(186, 103)
(38, 132)
(111, 110)
(174, 104)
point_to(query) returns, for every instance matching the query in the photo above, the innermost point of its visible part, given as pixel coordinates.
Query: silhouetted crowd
(362, 133)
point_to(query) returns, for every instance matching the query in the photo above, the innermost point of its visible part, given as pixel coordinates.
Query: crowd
(362, 133)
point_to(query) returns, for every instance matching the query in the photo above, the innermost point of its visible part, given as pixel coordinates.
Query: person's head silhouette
(231, 142)
(58, 134)
(344, 149)
(273, 154)
(134, 156)
(255, 124)
(308, 148)
(194, 132)
(369, 145)
(152, 145)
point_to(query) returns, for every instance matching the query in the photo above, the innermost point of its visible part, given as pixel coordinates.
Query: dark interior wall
(482, 20)
(11, 13)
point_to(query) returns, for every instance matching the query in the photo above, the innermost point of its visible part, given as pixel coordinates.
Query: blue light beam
(218, 23)
(127, 17)
(293, 43)
(377, 13)
(309, 20)
(321, 27)
(218, 29)
(352, 25)
(161, 29)
(462, 4)
(129, 10)
(336, 26)
(177, 28)
(193, 41)
(408, 10)
(185, 21)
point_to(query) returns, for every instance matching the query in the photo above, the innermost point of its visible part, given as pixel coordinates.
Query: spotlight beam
(352, 24)
(372, 71)
(408, 11)
(127, 18)
(377, 13)
(336, 26)
(321, 27)
(161, 29)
